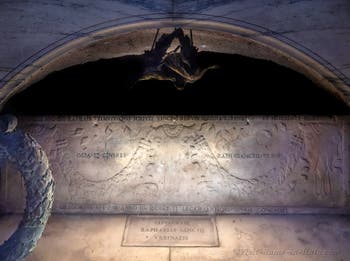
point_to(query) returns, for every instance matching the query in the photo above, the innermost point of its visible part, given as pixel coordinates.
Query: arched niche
(135, 38)
(211, 36)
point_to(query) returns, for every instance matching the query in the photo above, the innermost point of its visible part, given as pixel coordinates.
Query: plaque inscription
(168, 231)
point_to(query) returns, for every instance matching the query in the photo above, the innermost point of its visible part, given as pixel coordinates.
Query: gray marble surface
(242, 238)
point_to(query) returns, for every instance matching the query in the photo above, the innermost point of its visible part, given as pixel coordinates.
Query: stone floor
(98, 237)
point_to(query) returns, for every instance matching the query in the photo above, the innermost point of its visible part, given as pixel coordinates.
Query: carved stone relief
(112, 163)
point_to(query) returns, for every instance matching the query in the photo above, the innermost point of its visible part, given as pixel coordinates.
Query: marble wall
(191, 164)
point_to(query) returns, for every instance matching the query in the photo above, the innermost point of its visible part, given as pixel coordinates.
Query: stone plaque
(168, 231)
(191, 164)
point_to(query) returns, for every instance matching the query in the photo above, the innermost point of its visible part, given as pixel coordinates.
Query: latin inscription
(172, 209)
(101, 155)
(248, 155)
(170, 231)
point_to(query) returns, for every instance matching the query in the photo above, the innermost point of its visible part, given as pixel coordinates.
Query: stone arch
(133, 35)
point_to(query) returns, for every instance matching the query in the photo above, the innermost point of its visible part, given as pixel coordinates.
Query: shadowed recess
(240, 85)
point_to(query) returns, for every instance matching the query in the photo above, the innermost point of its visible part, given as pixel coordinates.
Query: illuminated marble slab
(191, 164)
(178, 231)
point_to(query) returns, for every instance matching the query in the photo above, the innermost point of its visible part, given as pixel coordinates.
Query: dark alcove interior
(240, 85)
